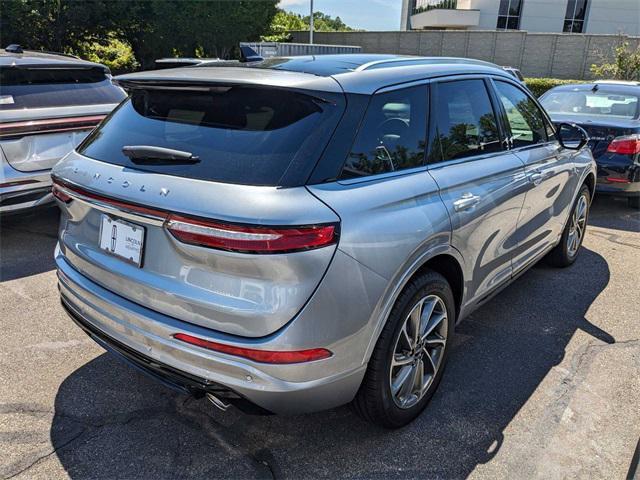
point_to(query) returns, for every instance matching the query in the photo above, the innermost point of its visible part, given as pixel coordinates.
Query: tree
(153, 28)
(285, 22)
(626, 64)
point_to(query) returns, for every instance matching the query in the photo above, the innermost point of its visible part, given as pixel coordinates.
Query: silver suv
(304, 232)
(48, 104)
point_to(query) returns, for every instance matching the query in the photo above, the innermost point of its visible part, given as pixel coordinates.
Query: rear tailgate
(200, 260)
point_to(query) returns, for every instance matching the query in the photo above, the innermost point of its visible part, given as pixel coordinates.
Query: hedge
(540, 85)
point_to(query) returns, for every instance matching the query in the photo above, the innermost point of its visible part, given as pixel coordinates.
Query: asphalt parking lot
(543, 382)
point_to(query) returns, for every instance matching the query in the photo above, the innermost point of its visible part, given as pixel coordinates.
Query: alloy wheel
(578, 226)
(418, 351)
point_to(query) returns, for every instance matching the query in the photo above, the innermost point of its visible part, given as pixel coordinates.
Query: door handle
(536, 178)
(466, 201)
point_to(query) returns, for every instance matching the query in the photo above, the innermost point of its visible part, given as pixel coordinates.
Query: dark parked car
(610, 113)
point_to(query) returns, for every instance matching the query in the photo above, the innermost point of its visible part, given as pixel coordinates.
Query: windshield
(56, 87)
(243, 135)
(598, 103)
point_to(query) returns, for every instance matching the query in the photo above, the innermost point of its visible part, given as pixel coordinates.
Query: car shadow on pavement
(111, 421)
(626, 217)
(27, 242)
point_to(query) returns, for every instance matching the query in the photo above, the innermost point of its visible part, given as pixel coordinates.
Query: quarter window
(465, 121)
(526, 121)
(392, 135)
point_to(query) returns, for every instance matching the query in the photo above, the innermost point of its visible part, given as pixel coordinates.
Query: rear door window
(525, 119)
(392, 135)
(465, 122)
(243, 135)
(23, 87)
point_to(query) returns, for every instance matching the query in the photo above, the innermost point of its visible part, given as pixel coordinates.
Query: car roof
(609, 85)
(30, 58)
(354, 73)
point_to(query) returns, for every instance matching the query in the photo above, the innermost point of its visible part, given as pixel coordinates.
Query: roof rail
(388, 63)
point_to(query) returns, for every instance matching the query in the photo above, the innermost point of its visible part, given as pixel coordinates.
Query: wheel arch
(446, 261)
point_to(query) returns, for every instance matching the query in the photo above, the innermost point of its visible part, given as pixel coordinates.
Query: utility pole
(311, 24)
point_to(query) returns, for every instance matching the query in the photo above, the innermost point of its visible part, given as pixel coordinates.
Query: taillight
(629, 145)
(263, 356)
(49, 125)
(59, 194)
(216, 234)
(242, 238)
(15, 183)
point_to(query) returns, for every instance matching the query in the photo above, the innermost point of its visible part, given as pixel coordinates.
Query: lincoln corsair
(294, 234)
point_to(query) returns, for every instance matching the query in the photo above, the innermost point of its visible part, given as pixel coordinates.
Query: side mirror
(572, 136)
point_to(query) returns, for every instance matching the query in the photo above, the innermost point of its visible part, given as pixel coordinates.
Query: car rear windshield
(244, 135)
(600, 102)
(22, 87)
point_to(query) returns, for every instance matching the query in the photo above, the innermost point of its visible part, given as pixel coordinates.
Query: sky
(364, 14)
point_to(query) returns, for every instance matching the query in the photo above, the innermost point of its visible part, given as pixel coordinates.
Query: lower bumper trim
(175, 379)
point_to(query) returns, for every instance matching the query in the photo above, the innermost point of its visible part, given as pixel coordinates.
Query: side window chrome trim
(474, 158)
(382, 176)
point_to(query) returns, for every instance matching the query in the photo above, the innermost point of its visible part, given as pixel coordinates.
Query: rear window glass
(60, 87)
(242, 135)
(589, 103)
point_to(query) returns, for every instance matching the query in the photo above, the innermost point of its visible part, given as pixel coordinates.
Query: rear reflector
(263, 356)
(252, 239)
(625, 145)
(617, 180)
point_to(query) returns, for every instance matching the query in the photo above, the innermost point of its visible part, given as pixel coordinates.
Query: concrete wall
(535, 54)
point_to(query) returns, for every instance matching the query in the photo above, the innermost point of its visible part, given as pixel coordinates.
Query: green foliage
(285, 22)
(625, 66)
(538, 86)
(153, 28)
(115, 54)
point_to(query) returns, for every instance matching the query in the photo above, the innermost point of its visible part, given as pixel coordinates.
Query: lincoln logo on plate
(114, 235)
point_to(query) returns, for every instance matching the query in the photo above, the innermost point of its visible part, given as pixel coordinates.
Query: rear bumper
(144, 337)
(618, 179)
(26, 190)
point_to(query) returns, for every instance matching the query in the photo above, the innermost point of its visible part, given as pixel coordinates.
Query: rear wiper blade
(150, 155)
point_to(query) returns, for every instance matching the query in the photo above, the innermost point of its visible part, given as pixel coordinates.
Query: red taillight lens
(49, 125)
(263, 356)
(625, 145)
(59, 194)
(249, 239)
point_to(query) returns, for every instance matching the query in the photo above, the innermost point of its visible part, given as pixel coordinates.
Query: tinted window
(392, 134)
(525, 118)
(45, 87)
(240, 134)
(590, 103)
(465, 122)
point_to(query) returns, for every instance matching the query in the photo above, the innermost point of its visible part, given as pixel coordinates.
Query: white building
(577, 16)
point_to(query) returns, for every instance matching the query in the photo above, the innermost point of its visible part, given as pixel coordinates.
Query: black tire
(634, 202)
(374, 401)
(561, 256)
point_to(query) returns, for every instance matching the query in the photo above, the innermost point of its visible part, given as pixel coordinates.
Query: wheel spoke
(432, 364)
(436, 341)
(435, 320)
(400, 360)
(418, 383)
(404, 336)
(414, 321)
(408, 382)
(401, 379)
